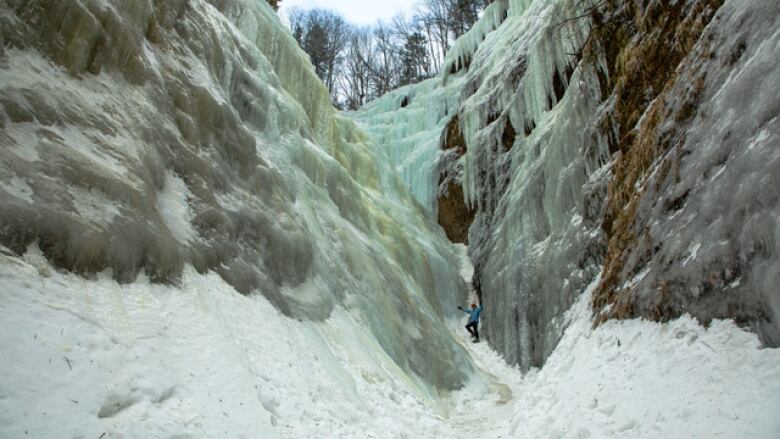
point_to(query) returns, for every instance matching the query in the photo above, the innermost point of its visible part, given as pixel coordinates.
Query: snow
(18, 188)
(92, 358)
(200, 360)
(632, 378)
(694, 251)
(637, 378)
(93, 204)
(24, 141)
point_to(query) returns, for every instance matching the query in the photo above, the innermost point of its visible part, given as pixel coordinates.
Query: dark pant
(472, 328)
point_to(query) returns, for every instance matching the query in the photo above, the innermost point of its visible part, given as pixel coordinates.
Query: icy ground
(95, 359)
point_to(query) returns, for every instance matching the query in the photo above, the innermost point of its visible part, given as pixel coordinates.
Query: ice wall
(589, 129)
(534, 168)
(147, 136)
(536, 240)
(406, 124)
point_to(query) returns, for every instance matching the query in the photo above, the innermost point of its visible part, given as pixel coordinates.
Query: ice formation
(145, 137)
(540, 119)
(406, 124)
(536, 241)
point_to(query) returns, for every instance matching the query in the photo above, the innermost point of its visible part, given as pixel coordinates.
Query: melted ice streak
(172, 202)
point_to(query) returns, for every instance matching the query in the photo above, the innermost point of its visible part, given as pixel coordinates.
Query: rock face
(454, 215)
(141, 137)
(696, 190)
(684, 235)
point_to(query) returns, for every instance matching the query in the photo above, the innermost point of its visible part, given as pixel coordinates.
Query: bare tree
(434, 16)
(443, 21)
(386, 70)
(359, 64)
(324, 35)
(296, 21)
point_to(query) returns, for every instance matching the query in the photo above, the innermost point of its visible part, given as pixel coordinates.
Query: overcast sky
(357, 11)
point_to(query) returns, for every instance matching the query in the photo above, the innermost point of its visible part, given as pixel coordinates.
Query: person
(473, 325)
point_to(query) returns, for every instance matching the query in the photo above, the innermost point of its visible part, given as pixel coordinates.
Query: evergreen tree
(464, 13)
(315, 43)
(414, 56)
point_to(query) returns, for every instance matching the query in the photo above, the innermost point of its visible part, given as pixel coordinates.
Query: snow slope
(143, 360)
(637, 378)
(87, 358)
(631, 378)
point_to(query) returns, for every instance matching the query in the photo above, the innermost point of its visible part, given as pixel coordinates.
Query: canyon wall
(140, 138)
(636, 141)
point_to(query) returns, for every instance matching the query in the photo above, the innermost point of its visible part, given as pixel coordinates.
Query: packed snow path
(485, 416)
(482, 415)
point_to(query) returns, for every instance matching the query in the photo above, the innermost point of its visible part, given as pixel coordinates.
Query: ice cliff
(145, 137)
(633, 139)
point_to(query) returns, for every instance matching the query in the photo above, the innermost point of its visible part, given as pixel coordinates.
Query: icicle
(463, 49)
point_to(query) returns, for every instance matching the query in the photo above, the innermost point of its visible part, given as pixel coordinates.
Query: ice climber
(473, 324)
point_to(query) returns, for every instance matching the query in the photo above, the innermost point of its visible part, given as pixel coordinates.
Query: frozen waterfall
(563, 192)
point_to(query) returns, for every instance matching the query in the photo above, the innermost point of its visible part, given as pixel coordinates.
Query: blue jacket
(473, 313)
